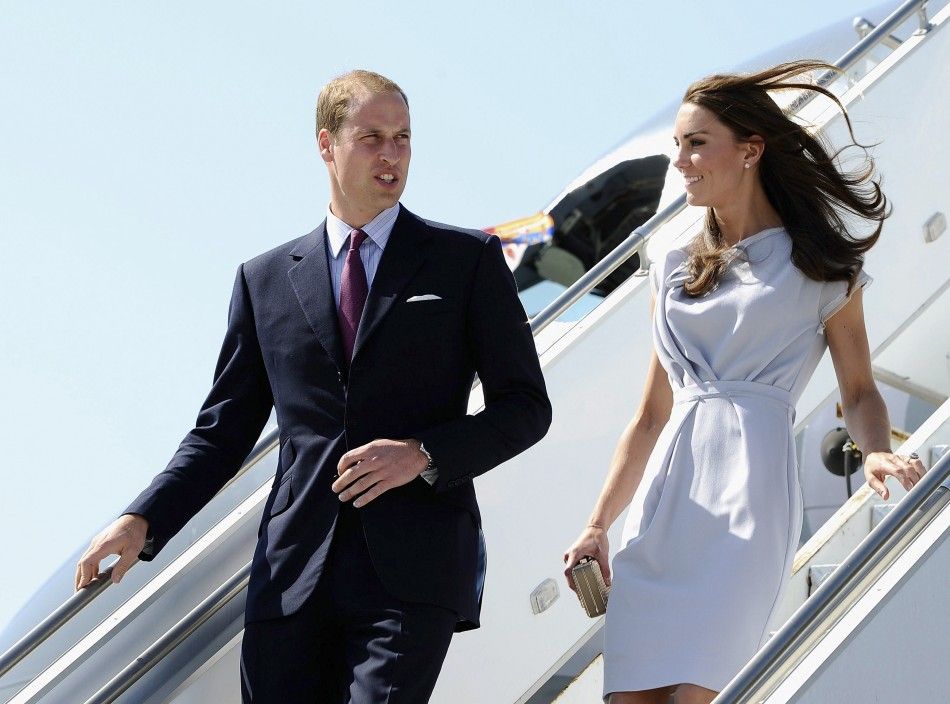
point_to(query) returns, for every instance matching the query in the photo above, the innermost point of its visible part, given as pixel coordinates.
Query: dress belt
(727, 389)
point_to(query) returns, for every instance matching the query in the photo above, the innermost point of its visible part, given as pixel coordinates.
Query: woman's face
(709, 156)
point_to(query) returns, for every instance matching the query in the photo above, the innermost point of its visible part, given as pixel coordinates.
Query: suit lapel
(310, 279)
(404, 254)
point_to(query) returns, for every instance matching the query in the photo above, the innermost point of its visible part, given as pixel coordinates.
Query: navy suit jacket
(411, 375)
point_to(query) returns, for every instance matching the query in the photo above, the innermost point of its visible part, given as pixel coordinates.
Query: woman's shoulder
(665, 262)
(835, 294)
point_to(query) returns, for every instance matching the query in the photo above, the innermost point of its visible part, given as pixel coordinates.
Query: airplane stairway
(886, 598)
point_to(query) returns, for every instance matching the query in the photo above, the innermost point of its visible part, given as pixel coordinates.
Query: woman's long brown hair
(799, 176)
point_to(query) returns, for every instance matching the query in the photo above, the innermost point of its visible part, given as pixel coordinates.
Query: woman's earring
(746, 165)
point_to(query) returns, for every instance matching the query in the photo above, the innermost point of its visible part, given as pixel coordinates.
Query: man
(366, 336)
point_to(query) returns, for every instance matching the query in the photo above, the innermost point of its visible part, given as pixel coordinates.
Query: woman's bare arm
(626, 469)
(864, 411)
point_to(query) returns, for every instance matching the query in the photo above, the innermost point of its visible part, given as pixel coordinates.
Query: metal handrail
(172, 638)
(82, 598)
(863, 27)
(848, 583)
(575, 292)
(606, 266)
(879, 35)
(49, 625)
(882, 32)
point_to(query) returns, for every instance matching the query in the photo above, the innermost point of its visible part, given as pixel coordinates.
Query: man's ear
(325, 145)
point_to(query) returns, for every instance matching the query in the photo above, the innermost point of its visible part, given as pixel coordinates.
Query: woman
(741, 317)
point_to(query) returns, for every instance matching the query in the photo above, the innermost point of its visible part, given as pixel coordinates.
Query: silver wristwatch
(431, 472)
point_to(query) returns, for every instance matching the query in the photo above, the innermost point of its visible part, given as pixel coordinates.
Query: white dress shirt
(338, 233)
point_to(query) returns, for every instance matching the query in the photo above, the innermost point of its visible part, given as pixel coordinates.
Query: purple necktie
(353, 291)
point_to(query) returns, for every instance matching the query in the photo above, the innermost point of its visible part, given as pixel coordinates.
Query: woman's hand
(880, 465)
(592, 542)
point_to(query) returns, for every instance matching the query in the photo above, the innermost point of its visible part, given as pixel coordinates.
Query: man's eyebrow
(366, 131)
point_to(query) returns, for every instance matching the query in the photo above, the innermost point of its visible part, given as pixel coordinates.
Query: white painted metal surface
(892, 645)
(852, 522)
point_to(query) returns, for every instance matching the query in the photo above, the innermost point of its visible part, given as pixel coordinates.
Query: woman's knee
(660, 695)
(693, 694)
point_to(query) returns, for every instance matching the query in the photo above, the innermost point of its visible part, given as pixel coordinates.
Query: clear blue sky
(146, 149)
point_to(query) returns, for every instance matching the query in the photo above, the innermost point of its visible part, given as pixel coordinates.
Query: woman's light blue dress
(710, 536)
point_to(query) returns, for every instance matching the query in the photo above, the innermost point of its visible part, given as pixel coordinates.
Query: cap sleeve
(662, 266)
(655, 267)
(834, 295)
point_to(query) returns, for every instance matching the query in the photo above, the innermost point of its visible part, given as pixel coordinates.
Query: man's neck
(354, 220)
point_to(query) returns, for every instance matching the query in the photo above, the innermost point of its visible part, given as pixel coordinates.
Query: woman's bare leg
(693, 694)
(649, 696)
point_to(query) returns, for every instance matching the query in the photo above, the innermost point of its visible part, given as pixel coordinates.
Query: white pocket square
(424, 297)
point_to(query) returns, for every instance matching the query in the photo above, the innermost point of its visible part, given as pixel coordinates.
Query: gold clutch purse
(591, 589)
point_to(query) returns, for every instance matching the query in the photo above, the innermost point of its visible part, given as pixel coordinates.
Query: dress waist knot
(728, 389)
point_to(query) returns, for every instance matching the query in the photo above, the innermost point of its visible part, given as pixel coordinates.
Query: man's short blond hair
(333, 103)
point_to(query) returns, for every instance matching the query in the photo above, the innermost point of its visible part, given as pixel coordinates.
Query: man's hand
(368, 471)
(125, 538)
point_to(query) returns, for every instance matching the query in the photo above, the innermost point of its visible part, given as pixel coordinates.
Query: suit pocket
(282, 492)
(430, 307)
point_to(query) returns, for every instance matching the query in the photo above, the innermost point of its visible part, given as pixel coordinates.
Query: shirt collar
(378, 229)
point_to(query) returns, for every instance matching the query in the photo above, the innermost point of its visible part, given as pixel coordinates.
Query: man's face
(368, 158)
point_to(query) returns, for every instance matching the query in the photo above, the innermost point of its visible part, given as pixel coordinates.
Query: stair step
(878, 513)
(817, 574)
